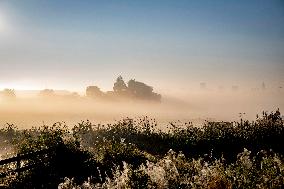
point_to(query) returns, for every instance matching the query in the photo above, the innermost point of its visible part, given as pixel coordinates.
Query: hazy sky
(69, 44)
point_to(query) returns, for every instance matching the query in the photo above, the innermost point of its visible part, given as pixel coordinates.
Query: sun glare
(20, 86)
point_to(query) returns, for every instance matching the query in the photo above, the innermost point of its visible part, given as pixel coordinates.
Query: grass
(134, 154)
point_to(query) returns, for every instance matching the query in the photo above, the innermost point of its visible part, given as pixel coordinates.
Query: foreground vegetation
(134, 154)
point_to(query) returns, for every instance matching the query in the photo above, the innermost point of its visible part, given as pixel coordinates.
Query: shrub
(131, 154)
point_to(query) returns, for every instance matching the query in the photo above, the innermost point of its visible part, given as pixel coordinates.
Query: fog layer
(26, 111)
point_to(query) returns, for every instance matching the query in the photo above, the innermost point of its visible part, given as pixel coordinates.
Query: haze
(208, 59)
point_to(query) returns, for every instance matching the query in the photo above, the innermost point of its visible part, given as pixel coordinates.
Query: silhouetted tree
(142, 91)
(47, 93)
(93, 92)
(74, 95)
(235, 88)
(263, 87)
(8, 93)
(119, 86)
(203, 86)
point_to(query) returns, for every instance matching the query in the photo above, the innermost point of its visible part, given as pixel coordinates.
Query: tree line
(135, 90)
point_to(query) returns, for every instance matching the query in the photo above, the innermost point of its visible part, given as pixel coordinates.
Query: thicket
(135, 154)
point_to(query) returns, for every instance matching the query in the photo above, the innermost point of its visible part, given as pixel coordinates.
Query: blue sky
(168, 44)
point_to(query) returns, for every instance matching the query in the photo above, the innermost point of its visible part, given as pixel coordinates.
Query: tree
(47, 93)
(119, 86)
(8, 93)
(93, 92)
(142, 91)
(263, 87)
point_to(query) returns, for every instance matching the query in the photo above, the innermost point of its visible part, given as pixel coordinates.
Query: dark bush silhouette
(94, 92)
(65, 158)
(47, 93)
(142, 91)
(133, 90)
(8, 94)
(96, 150)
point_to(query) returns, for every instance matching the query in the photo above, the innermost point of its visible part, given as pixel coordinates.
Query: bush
(170, 172)
(131, 154)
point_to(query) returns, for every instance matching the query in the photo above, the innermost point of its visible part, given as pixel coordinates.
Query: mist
(30, 109)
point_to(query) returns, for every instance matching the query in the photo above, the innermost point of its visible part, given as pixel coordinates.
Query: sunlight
(20, 86)
(2, 23)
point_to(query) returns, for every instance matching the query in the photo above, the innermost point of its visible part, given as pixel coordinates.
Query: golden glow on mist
(23, 85)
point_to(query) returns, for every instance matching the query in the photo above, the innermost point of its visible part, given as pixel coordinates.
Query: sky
(171, 45)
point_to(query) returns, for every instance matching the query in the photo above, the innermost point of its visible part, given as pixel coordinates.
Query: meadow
(135, 153)
(141, 94)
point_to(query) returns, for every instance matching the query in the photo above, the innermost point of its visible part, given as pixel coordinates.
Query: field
(135, 153)
(29, 110)
(144, 94)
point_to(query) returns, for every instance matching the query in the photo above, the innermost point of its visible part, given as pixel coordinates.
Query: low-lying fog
(26, 111)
